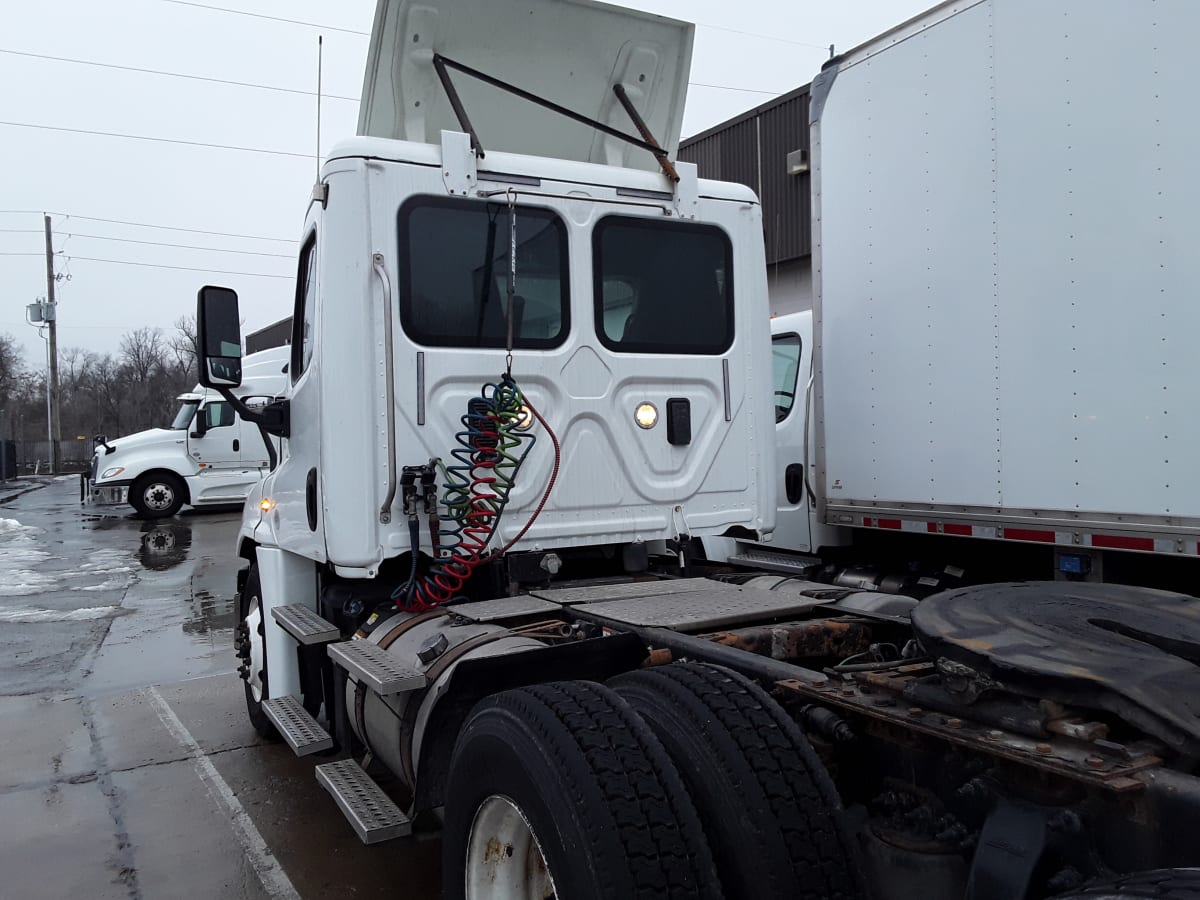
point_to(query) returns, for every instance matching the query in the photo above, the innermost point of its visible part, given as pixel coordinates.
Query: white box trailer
(1005, 219)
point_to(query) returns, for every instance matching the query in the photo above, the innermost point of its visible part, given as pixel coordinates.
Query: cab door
(215, 438)
(790, 363)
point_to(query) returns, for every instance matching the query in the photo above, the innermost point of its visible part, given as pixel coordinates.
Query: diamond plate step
(370, 812)
(305, 625)
(376, 668)
(297, 727)
(776, 562)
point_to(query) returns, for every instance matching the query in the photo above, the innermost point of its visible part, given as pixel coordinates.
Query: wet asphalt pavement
(127, 766)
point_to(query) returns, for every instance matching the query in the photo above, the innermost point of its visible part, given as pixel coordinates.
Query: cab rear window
(662, 286)
(455, 262)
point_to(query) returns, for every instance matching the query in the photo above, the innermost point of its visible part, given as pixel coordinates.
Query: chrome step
(376, 668)
(297, 727)
(777, 562)
(305, 625)
(370, 812)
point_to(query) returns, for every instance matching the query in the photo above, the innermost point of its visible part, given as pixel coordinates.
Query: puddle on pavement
(164, 546)
(210, 614)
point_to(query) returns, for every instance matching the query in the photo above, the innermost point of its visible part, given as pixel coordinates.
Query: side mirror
(219, 334)
(199, 424)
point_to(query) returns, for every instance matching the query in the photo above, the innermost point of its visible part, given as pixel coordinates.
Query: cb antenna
(320, 41)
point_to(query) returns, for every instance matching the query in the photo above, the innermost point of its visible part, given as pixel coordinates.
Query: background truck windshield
(183, 418)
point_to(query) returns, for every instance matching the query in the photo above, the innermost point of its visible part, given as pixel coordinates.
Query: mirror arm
(276, 423)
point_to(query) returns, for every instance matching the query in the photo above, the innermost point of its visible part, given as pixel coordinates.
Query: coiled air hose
(476, 488)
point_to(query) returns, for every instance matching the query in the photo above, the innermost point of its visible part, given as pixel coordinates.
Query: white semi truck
(207, 456)
(529, 376)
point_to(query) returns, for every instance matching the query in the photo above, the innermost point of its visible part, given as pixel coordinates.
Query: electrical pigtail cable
(476, 487)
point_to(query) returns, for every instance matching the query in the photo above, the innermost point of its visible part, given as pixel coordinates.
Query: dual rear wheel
(682, 782)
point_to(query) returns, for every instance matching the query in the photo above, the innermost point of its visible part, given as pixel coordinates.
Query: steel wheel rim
(158, 496)
(255, 640)
(504, 857)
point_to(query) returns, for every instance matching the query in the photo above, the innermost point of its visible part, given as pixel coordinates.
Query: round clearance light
(524, 418)
(266, 504)
(646, 415)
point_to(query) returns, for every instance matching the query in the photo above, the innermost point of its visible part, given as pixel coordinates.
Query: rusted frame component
(1091, 765)
(812, 639)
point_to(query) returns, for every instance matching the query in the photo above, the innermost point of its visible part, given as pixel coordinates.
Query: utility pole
(52, 324)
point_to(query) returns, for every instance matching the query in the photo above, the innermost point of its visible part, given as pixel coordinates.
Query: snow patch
(110, 585)
(13, 527)
(33, 614)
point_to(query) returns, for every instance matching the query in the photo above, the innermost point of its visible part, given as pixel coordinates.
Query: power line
(253, 237)
(101, 237)
(242, 12)
(100, 65)
(756, 34)
(126, 262)
(725, 87)
(158, 140)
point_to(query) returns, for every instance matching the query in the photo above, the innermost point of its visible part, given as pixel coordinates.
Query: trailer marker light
(646, 415)
(266, 504)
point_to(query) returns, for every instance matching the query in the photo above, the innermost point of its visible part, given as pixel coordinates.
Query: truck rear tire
(1162, 884)
(157, 495)
(250, 634)
(562, 790)
(772, 815)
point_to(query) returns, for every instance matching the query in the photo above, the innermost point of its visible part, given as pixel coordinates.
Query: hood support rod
(442, 63)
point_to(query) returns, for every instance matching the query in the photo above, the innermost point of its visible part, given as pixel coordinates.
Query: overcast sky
(762, 47)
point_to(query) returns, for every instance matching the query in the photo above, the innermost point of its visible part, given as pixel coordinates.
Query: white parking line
(270, 873)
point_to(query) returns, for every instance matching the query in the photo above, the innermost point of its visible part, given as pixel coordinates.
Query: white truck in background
(207, 456)
(529, 373)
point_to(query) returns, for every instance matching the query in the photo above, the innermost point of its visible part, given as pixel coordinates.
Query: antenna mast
(320, 39)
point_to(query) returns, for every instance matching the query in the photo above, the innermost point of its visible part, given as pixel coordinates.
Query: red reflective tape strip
(1027, 534)
(890, 523)
(1115, 542)
(960, 530)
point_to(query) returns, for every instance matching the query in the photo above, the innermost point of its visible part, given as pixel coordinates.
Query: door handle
(793, 482)
(236, 445)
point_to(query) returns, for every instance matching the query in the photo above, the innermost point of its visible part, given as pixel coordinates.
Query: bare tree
(184, 345)
(142, 352)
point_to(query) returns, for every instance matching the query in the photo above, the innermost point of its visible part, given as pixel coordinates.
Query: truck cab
(207, 455)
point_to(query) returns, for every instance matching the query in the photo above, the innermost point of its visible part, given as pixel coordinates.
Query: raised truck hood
(570, 52)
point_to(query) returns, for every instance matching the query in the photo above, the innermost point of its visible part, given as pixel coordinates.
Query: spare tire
(770, 810)
(562, 790)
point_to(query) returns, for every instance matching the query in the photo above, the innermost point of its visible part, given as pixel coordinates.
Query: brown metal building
(767, 149)
(277, 334)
